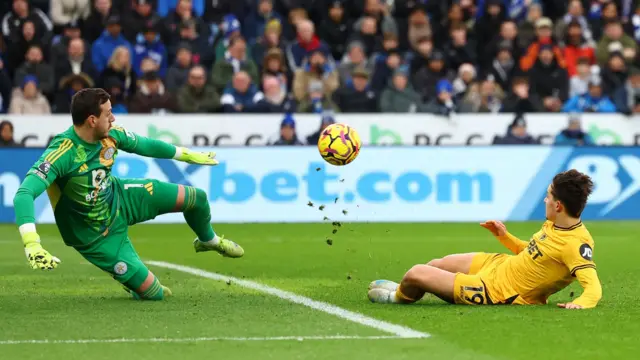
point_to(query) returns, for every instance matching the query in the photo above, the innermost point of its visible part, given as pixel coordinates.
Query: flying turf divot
(396, 330)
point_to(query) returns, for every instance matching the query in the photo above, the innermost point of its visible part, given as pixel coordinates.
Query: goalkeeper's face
(102, 125)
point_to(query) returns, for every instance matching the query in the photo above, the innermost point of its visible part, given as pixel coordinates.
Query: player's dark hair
(572, 188)
(86, 102)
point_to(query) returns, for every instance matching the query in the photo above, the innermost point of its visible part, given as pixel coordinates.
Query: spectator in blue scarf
(573, 134)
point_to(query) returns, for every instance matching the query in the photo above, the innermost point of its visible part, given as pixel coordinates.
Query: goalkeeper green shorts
(140, 200)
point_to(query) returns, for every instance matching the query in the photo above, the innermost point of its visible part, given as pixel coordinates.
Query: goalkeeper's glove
(38, 257)
(196, 157)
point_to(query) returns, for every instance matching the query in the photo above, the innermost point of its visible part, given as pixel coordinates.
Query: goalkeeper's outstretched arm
(158, 149)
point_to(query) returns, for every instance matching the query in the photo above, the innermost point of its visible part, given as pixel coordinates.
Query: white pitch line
(397, 330)
(198, 339)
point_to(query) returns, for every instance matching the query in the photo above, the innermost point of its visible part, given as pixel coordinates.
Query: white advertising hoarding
(374, 129)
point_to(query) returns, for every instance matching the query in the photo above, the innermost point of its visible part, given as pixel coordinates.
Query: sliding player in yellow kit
(559, 253)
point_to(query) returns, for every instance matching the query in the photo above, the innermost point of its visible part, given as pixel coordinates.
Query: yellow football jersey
(544, 266)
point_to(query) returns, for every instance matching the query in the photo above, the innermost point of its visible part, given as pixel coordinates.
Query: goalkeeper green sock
(197, 213)
(154, 292)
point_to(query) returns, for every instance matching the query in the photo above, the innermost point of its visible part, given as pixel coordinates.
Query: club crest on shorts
(120, 268)
(108, 154)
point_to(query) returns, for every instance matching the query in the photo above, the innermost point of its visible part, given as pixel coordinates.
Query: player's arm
(510, 241)
(578, 257)
(136, 144)
(51, 165)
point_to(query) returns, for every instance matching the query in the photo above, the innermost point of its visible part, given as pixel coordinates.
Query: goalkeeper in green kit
(94, 209)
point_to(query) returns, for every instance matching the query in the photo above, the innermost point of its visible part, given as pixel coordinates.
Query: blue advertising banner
(385, 184)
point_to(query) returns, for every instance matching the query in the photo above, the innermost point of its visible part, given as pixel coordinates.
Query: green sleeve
(141, 145)
(54, 163)
(29, 190)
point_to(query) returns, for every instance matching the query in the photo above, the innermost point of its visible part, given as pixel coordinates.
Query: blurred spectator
(166, 6)
(60, 43)
(318, 68)
(543, 39)
(575, 16)
(488, 26)
(256, 21)
(419, 27)
(5, 88)
(548, 80)
(28, 100)
(573, 134)
(65, 11)
(139, 19)
(276, 98)
(354, 58)
(234, 61)
(188, 33)
(269, 41)
(485, 97)
(356, 96)
(115, 87)
(425, 80)
(366, 31)
(326, 120)
(231, 29)
(288, 134)
(196, 96)
(579, 83)
(21, 12)
(592, 101)
(627, 98)
(150, 45)
(119, 66)
(516, 134)
(214, 11)
(274, 65)
(306, 43)
(455, 15)
(242, 95)
(576, 47)
(614, 74)
(444, 103)
(151, 97)
(179, 71)
(521, 100)
(6, 135)
(68, 86)
(505, 40)
(20, 48)
(466, 77)
(503, 67)
(297, 14)
(399, 96)
(633, 26)
(614, 39)
(527, 29)
(335, 28)
(460, 50)
(94, 26)
(74, 61)
(602, 14)
(419, 58)
(103, 48)
(35, 65)
(385, 66)
(315, 99)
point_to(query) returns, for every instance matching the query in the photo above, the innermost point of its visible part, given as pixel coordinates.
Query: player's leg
(455, 263)
(115, 255)
(146, 199)
(419, 280)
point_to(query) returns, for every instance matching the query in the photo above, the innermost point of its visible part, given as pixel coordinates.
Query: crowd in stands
(310, 56)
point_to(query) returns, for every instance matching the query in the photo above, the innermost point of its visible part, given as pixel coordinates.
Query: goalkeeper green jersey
(77, 177)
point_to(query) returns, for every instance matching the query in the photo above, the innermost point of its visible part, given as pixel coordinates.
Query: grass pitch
(90, 315)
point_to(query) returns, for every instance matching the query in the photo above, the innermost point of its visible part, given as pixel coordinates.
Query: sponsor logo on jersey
(120, 268)
(586, 252)
(108, 154)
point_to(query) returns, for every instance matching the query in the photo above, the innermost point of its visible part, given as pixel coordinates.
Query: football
(339, 144)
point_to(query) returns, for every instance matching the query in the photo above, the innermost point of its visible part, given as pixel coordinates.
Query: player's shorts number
(476, 298)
